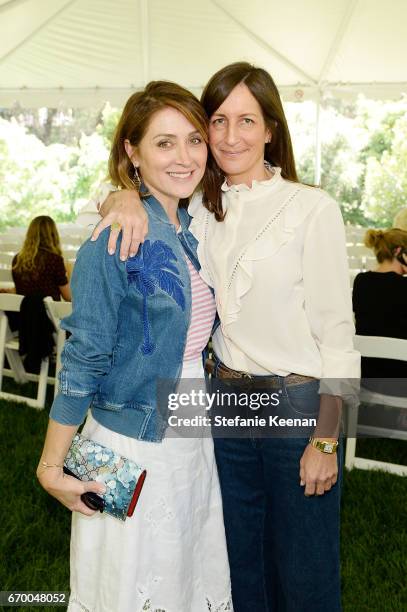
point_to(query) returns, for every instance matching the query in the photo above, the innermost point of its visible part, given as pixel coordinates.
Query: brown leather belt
(222, 371)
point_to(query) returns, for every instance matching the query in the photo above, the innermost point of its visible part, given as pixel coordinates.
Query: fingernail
(123, 257)
(92, 239)
(111, 252)
(132, 254)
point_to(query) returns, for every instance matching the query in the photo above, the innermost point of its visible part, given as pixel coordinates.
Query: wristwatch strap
(324, 446)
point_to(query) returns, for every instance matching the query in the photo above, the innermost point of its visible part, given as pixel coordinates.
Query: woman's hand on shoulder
(67, 489)
(124, 212)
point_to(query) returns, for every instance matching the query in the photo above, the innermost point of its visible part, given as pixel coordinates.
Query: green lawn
(34, 527)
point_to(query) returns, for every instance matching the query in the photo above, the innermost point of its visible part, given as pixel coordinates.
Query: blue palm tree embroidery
(153, 267)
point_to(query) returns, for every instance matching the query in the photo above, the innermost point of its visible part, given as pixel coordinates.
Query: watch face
(328, 447)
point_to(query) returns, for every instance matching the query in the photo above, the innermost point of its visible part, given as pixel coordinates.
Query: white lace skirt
(171, 555)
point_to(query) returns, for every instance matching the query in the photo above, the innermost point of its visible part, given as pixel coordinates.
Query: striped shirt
(203, 312)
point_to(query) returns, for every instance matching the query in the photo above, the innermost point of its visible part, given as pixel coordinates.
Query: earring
(136, 178)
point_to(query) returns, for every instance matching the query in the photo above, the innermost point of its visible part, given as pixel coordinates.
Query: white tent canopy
(83, 52)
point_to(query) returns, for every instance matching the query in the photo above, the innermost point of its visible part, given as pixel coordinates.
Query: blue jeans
(283, 547)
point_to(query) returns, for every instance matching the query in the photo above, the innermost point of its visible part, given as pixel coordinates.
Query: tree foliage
(364, 158)
(385, 184)
(52, 159)
(53, 179)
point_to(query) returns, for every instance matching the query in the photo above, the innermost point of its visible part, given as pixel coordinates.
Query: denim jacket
(128, 328)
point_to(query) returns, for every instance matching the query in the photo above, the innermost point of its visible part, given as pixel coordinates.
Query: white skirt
(171, 555)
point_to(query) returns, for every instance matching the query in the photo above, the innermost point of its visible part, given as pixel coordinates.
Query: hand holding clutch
(123, 478)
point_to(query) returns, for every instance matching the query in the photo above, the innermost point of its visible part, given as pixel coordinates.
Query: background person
(39, 268)
(380, 301)
(38, 271)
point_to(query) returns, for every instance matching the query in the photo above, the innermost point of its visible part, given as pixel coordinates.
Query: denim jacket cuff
(70, 410)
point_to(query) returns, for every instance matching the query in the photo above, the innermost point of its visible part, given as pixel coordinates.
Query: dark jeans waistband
(218, 369)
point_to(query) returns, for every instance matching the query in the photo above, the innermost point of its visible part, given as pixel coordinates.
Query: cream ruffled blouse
(278, 265)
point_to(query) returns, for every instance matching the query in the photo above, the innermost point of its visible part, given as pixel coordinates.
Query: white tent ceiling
(82, 52)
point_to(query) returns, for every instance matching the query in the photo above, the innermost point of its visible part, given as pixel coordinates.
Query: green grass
(374, 542)
(34, 528)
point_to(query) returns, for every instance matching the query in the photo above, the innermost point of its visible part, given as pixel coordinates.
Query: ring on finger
(115, 227)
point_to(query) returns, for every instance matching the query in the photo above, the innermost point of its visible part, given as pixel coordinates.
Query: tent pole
(317, 159)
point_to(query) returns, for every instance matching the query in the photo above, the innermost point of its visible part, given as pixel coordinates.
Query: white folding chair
(9, 247)
(355, 263)
(355, 234)
(72, 231)
(371, 262)
(9, 346)
(69, 241)
(384, 348)
(6, 276)
(358, 250)
(352, 275)
(5, 260)
(57, 311)
(14, 233)
(70, 253)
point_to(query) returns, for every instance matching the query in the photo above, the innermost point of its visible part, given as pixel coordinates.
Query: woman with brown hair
(274, 251)
(380, 302)
(133, 324)
(39, 267)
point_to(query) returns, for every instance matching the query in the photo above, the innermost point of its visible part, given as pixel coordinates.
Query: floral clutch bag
(122, 477)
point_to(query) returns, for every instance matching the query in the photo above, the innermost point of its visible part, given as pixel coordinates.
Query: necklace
(269, 171)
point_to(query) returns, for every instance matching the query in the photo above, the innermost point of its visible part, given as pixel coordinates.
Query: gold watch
(324, 446)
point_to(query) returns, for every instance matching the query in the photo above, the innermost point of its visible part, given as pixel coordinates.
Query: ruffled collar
(256, 185)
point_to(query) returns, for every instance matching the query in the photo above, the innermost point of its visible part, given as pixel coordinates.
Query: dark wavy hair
(279, 152)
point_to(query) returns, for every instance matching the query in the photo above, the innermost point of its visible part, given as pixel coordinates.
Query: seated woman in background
(39, 268)
(380, 299)
(38, 271)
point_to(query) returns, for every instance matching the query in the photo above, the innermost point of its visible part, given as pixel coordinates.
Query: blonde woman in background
(380, 299)
(39, 268)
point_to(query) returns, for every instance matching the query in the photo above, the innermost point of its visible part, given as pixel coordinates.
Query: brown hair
(42, 235)
(279, 152)
(136, 117)
(385, 242)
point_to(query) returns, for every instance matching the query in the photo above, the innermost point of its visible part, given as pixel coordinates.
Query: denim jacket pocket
(143, 420)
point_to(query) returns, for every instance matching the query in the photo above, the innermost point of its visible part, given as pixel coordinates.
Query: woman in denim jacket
(274, 251)
(133, 323)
